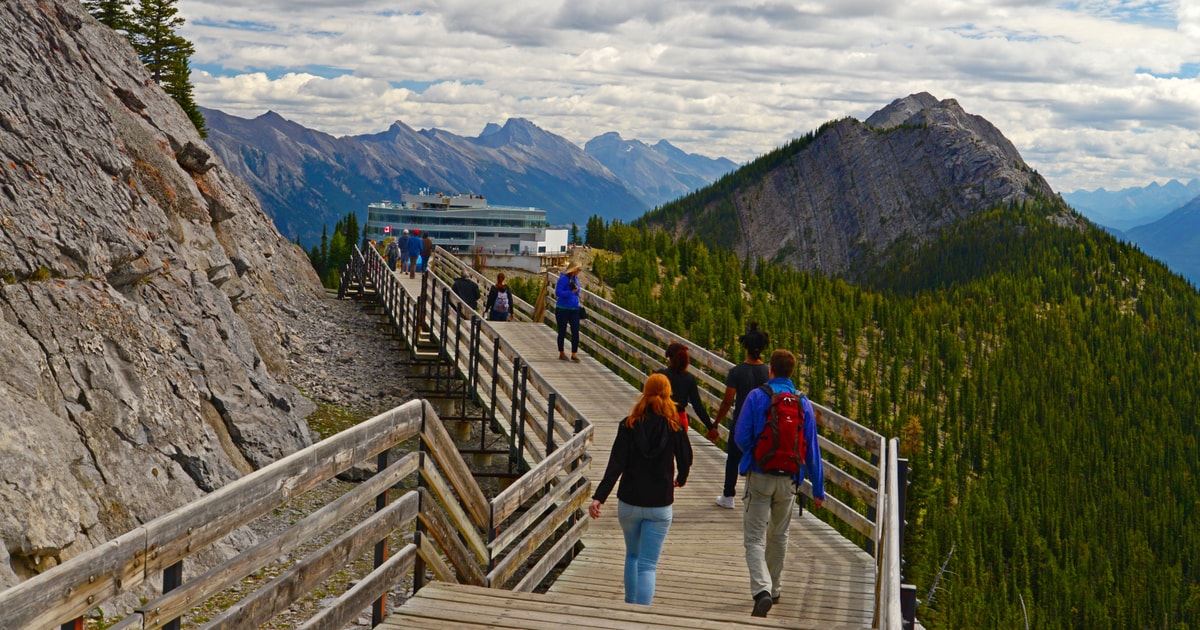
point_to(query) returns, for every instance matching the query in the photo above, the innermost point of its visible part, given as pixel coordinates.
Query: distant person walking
(402, 250)
(741, 380)
(771, 486)
(499, 302)
(392, 251)
(412, 250)
(651, 456)
(566, 310)
(684, 389)
(466, 289)
(426, 251)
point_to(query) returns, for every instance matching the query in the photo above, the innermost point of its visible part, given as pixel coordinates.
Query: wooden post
(379, 608)
(172, 579)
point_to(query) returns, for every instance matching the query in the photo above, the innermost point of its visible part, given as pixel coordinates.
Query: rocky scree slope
(145, 304)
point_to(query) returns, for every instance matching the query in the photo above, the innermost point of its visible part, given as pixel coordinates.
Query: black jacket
(467, 290)
(645, 458)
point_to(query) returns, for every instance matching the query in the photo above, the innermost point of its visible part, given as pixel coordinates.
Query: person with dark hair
(684, 389)
(741, 380)
(467, 290)
(426, 251)
(499, 303)
(651, 455)
(771, 492)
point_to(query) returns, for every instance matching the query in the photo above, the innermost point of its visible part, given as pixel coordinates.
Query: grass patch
(329, 419)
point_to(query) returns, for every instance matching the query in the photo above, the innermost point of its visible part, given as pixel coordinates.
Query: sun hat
(573, 267)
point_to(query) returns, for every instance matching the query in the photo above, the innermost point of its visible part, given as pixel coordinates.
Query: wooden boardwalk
(702, 578)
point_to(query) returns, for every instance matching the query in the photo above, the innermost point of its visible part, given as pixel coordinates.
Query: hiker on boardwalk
(651, 456)
(392, 251)
(426, 251)
(684, 389)
(467, 290)
(741, 380)
(566, 310)
(412, 251)
(774, 473)
(499, 302)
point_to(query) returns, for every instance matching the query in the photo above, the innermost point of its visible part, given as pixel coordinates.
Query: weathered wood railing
(518, 400)
(855, 457)
(483, 542)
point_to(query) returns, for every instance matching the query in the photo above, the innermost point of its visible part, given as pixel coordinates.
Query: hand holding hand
(594, 508)
(713, 434)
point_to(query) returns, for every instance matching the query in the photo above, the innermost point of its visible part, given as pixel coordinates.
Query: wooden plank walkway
(702, 577)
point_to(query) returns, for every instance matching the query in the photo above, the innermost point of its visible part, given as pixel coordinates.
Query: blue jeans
(645, 530)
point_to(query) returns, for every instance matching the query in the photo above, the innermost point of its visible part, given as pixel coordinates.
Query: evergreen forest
(1042, 378)
(334, 252)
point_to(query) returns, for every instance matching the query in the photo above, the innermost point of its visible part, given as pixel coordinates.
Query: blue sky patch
(327, 72)
(1186, 71)
(1156, 14)
(419, 87)
(236, 25)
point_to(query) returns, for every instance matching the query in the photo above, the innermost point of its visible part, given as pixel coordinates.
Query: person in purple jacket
(566, 309)
(651, 455)
(769, 496)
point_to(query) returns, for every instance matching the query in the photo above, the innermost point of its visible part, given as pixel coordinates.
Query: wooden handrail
(73, 588)
(483, 540)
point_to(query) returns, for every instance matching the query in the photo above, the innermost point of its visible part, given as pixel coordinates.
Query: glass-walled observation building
(464, 224)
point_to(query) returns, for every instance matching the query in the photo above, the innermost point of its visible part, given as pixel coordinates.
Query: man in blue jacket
(769, 494)
(412, 251)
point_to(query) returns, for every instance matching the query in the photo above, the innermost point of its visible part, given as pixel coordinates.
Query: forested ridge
(1042, 378)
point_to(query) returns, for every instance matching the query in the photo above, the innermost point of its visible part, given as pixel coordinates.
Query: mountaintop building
(467, 224)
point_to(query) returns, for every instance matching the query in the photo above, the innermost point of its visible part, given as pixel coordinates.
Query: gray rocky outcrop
(841, 204)
(146, 300)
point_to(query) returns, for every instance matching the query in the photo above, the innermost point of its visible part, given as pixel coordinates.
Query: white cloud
(1093, 93)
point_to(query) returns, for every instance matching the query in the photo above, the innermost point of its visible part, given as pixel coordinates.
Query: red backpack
(781, 445)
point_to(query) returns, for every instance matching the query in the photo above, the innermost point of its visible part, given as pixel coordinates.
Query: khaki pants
(769, 500)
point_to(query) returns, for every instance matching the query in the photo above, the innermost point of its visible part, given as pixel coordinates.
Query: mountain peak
(901, 110)
(862, 192)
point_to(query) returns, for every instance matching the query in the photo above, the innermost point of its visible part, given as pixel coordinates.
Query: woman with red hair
(651, 456)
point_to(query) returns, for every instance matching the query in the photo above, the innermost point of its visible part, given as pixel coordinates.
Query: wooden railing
(520, 401)
(856, 458)
(460, 534)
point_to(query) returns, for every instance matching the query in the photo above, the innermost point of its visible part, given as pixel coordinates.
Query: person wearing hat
(412, 251)
(402, 246)
(566, 309)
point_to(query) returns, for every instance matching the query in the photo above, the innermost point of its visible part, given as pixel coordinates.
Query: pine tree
(112, 13)
(153, 32)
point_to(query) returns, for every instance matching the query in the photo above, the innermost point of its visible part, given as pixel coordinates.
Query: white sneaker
(725, 502)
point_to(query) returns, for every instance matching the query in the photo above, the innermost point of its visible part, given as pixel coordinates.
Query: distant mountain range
(307, 180)
(1130, 207)
(1163, 220)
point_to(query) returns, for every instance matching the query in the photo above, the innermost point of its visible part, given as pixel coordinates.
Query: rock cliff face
(840, 204)
(145, 298)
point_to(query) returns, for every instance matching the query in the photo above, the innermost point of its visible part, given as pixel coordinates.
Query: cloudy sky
(1093, 93)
